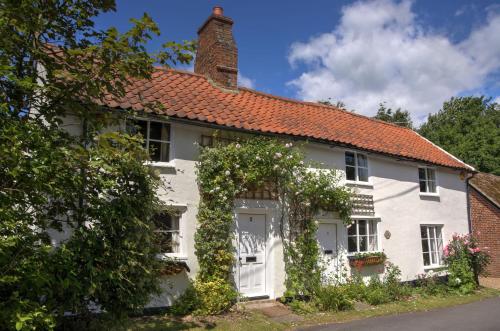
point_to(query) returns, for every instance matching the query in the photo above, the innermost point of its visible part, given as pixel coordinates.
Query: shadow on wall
(171, 288)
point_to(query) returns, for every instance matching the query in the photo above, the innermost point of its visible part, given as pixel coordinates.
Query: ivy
(302, 190)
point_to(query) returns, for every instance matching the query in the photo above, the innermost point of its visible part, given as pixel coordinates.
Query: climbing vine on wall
(226, 171)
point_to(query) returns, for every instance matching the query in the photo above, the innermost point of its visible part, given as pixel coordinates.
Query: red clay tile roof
(192, 96)
(488, 185)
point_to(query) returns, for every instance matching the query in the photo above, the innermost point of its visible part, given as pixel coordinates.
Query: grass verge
(249, 320)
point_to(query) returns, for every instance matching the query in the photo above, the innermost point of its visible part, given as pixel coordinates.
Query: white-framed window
(167, 233)
(362, 236)
(432, 244)
(427, 180)
(356, 167)
(156, 137)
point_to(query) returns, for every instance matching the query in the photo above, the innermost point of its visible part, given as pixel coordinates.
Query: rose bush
(466, 262)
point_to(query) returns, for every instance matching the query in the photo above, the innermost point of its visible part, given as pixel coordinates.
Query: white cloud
(245, 81)
(497, 100)
(379, 52)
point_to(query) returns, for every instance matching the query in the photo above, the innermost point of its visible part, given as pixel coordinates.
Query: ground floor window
(167, 232)
(432, 244)
(362, 236)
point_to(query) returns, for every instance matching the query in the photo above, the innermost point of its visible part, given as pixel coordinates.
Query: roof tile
(191, 95)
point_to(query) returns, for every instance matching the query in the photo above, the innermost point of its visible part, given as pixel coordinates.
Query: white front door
(251, 262)
(327, 240)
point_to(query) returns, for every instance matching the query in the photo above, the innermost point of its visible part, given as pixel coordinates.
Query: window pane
(349, 158)
(373, 227)
(431, 185)
(350, 173)
(427, 260)
(423, 232)
(363, 174)
(155, 151)
(433, 245)
(362, 227)
(421, 174)
(363, 244)
(351, 244)
(423, 187)
(164, 241)
(155, 129)
(362, 161)
(425, 245)
(158, 151)
(431, 174)
(372, 243)
(351, 231)
(433, 257)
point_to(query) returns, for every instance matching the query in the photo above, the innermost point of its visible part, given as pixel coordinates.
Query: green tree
(55, 63)
(469, 128)
(398, 116)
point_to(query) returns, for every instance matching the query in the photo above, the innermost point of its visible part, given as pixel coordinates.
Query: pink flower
(477, 250)
(446, 251)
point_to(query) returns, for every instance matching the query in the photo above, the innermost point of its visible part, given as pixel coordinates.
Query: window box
(364, 259)
(173, 267)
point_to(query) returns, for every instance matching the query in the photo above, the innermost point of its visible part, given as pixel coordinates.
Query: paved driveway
(477, 316)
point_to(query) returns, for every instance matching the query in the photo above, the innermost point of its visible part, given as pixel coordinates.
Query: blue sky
(410, 54)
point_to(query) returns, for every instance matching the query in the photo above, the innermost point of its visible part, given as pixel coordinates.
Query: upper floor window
(156, 138)
(432, 244)
(167, 232)
(427, 180)
(362, 236)
(356, 167)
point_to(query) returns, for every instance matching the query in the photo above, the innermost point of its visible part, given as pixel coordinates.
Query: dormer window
(356, 167)
(427, 180)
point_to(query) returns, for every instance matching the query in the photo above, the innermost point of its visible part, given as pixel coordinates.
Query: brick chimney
(217, 54)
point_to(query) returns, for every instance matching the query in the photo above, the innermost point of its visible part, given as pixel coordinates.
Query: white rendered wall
(394, 186)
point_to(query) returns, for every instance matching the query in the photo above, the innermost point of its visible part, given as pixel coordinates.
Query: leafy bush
(215, 296)
(333, 298)
(187, 303)
(302, 307)
(466, 261)
(376, 292)
(392, 282)
(205, 298)
(430, 285)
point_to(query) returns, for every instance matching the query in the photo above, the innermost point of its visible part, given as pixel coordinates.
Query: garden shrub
(302, 307)
(214, 297)
(465, 261)
(333, 298)
(186, 303)
(431, 285)
(392, 282)
(376, 292)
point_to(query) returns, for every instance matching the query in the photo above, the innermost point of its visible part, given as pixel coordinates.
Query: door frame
(266, 212)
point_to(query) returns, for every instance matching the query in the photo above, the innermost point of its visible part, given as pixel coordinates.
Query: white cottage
(412, 194)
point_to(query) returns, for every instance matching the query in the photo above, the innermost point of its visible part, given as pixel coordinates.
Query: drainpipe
(467, 190)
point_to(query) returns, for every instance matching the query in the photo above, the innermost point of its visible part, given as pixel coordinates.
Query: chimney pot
(218, 11)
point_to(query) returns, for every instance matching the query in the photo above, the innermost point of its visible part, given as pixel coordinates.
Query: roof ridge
(180, 71)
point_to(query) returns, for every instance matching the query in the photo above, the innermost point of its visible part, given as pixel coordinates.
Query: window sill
(166, 165)
(359, 184)
(425, 194)
(366, 252)
(175, 256)
(434, 267)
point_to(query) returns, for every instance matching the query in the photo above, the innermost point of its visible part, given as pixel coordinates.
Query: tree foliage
(398, 116)
(469, 128)
(95, 186)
